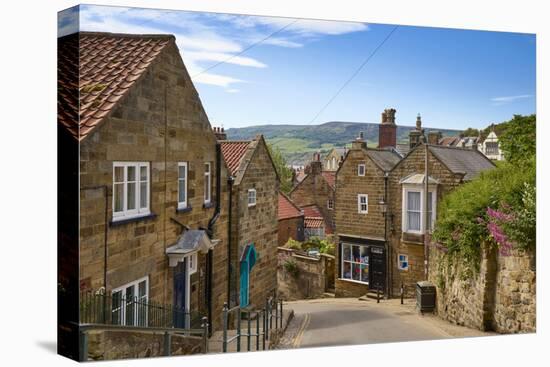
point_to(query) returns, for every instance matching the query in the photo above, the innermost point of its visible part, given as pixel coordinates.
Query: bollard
(205, 333)
(402, 293)
(83, 350)
(167, 342)
(225, 321)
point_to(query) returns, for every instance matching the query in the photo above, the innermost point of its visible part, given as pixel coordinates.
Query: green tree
(518, 141)
(470, 132)
(283, 170)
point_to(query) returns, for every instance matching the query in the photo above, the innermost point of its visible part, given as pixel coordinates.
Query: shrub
(291, 268)
(293, 244)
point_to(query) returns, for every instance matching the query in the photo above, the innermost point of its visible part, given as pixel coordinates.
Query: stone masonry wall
(314, 274)
(290, 228)
(314, 189)
(160, 121)
(109, 345)
(501, 297)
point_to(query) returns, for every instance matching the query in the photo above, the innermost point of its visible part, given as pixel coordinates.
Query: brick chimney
(316, 165)
(433, 137)
(415, 136)
(220, 133)
(358, 143)
(387, 130)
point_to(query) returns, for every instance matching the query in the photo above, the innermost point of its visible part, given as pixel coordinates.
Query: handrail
(88, 327)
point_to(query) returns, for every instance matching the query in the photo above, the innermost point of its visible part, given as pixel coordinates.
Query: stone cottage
(380, 216)
(317, 188)
(490, 146)
(152, 180)
(291, 220)
(253, 224)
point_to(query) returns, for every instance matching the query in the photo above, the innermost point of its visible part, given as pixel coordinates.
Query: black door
(377, 268)
(180, 294)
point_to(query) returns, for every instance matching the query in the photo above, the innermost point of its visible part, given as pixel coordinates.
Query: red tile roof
(314, 222)
(330, 177)
(287, 209)
(233, 153)
(108, 65)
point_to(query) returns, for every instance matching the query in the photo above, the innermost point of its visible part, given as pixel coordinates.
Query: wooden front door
(180, 294)
(377, 268)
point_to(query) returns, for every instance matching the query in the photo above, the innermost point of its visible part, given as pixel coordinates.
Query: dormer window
(361, 169)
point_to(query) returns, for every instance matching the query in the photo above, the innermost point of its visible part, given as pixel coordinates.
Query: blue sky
(453, 78)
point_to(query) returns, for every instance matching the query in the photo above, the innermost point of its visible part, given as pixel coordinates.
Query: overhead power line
(353, 75)
(246, 49)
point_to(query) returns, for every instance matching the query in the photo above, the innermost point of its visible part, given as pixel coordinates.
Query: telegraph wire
(353, 75)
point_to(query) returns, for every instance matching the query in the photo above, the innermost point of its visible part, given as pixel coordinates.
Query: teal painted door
(245, 270)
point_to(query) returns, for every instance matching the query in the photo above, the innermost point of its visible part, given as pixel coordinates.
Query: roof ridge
(128, 35)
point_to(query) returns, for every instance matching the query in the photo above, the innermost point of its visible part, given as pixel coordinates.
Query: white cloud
(227, 58)
(232, 90)
(215, 79)
(282, 43)
(498, 101)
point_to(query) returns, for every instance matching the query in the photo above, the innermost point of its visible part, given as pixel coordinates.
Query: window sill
(122, 221)
(208, 205)
(354, 281)
(250, 206)
(184, 210)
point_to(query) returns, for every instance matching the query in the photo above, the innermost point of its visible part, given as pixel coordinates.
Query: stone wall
(313, 277)
(290, 228)
(314, 189)
(160, 121)
(108, 345)
(500, 297)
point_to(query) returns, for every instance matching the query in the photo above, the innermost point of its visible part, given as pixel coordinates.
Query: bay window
(130, 189)
(413, 209)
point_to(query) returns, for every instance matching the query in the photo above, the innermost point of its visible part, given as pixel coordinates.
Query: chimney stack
(433, 137)
(415, 136)
(358, 143)
(387, 130)
(316, 164)
(220, 133)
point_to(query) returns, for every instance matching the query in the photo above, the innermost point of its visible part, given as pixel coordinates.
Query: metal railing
(99, 308)
(252, 328)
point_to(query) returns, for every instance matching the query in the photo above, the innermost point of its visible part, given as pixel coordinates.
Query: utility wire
(246, 49)
(353, 75)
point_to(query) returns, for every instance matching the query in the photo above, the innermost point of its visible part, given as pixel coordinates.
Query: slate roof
(385, 159)
(330, 177)
(471, 162)
(449, 141)
(189, 241)
(402, 149)
(287, 209)
(233, 153)
(109, 65)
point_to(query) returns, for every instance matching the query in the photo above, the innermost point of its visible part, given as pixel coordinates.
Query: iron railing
(99, 308)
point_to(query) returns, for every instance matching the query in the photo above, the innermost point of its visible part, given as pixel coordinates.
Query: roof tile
(287, 209)
(233, 152)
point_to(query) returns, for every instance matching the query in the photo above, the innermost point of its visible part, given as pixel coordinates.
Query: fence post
(167, 342)
(276, 314)
(270, 303)
(281, 314)
(224, 342)
(257, 331)
(378, 294)
(264, 319)
(402, 292)
(205, 333)
(239, 329)
(83, 346)
(248, 334)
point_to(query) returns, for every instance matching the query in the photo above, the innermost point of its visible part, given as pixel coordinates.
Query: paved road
(331, 322)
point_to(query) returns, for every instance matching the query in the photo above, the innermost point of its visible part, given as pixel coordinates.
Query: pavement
(349, 321)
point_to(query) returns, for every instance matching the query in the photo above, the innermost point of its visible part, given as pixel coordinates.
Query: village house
(252, 249)
(379, 220)
(490, 146)
(153, 219)
(333, 158)
(291, 220)
(316, 189)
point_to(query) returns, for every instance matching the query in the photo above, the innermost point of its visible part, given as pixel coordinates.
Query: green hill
(298, 142)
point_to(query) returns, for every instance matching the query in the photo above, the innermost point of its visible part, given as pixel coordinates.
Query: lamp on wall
(383, 206)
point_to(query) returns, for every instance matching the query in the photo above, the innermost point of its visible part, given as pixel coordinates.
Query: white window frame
(138, 211)
(333, 163)
(330, 204)
(400, 262)
(207, 183)
(362, 166)
(183, 204)
(192, 261)
(145, 299)
(359, 204)
(352, 261)
(251, 195)
(404, 218)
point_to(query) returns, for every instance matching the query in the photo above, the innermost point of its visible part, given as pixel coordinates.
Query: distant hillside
(298, 142)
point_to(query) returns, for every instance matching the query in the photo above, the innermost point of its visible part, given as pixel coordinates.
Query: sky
(253, 70)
